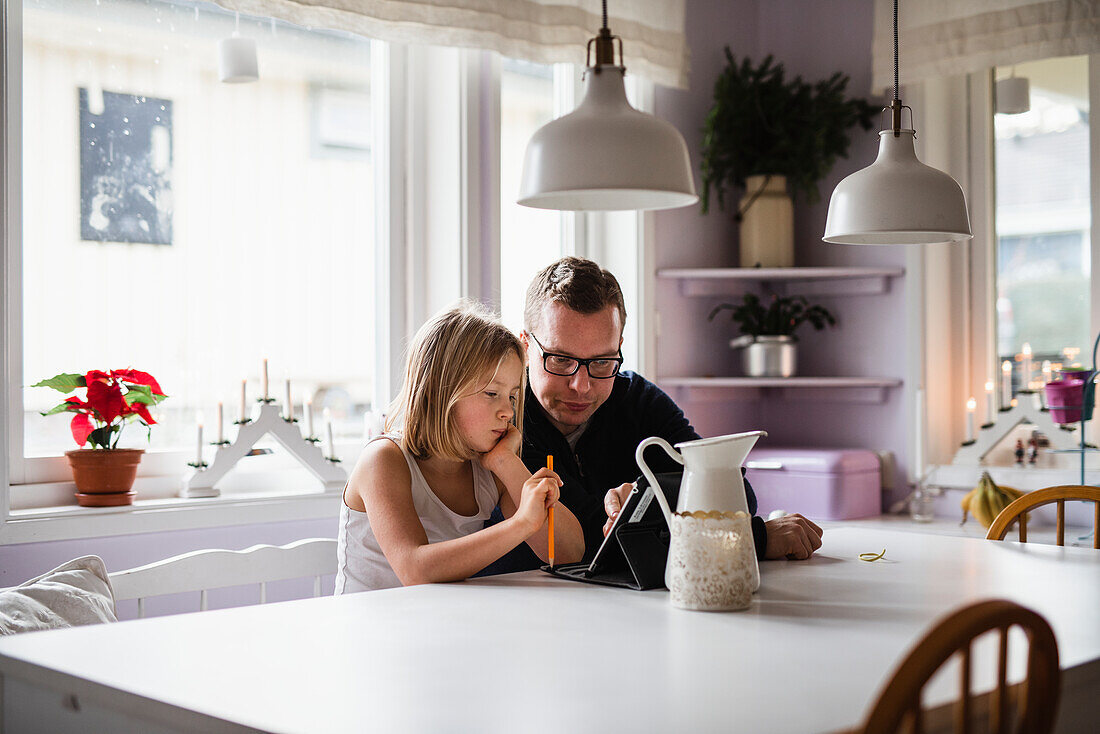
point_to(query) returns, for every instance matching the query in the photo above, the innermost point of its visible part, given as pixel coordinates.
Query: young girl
(415, 507)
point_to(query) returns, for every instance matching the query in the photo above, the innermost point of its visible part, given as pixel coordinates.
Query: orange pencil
(550, 513)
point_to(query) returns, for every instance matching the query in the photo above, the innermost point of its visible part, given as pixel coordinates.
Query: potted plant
(104, 473)
(767, 331)
(765, 135)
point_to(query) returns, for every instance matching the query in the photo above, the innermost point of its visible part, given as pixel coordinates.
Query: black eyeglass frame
(580, 362)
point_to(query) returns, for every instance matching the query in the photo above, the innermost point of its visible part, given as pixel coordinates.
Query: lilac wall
(812, 40)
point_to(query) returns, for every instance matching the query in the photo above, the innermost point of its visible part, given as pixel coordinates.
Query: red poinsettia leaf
(138, 377)
(142, 411)
(106, 398)
(81, 428)
(96, 376)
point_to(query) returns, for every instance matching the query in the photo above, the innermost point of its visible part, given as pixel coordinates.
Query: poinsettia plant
(112, 400)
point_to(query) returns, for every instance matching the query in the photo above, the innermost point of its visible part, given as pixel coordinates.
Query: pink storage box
(822, 484)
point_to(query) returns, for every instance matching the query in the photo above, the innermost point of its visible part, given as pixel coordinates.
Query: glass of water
(921, 504)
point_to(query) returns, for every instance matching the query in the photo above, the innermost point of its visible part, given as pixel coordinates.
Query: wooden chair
(900, 700)
(216, 569)
(1019, 508)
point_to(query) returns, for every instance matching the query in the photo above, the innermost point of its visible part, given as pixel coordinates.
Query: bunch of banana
(987, 500)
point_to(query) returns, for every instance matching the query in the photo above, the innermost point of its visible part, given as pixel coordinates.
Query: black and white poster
(125, 168)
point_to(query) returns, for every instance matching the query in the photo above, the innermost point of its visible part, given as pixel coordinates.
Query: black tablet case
(636, 556)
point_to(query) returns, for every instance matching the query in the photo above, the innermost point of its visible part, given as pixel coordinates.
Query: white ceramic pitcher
(712, 476)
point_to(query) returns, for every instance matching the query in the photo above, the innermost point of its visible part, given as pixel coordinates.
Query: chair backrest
(1019, 508)
(215, 569)
(900, 699)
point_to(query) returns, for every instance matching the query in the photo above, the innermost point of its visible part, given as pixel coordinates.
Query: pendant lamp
(897, 200)
(237, 57)
(606, 155)
(1012, 96)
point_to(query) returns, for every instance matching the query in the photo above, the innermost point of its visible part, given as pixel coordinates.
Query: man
(590, 416)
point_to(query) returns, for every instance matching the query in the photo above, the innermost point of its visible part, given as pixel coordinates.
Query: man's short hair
(579, 284)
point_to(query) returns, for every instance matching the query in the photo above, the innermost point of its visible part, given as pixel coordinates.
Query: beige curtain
(543, 31)
(940, 38)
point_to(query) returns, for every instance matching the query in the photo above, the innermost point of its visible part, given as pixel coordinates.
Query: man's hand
(613, 502)
(792, 537)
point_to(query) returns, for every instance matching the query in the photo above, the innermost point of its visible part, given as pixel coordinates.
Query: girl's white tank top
(361, 565)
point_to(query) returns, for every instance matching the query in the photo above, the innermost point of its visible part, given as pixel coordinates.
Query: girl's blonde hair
(447, 361)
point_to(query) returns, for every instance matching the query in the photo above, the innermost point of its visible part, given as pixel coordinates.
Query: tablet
(609, 556)
(636, 509)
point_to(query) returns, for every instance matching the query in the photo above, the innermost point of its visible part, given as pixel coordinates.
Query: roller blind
(947, 37)
(543, 31)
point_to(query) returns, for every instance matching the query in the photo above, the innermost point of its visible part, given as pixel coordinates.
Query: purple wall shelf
(807, 281)
(840, 389)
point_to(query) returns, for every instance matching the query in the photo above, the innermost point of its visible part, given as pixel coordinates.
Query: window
(191, 228)
(530, 239)
(533, 238)
(1043, 219)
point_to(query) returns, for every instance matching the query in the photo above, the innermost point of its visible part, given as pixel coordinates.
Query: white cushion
(75, 593)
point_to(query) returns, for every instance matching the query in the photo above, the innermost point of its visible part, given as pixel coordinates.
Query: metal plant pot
(767, 356)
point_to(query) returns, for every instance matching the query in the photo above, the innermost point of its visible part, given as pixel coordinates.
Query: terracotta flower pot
(104, 477)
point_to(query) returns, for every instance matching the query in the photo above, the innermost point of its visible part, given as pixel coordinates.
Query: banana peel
(987, 500)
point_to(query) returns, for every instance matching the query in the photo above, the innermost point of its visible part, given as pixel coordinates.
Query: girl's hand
(540, 492)
(507, 447)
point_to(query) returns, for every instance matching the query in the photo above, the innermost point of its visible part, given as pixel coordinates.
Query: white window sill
(165, 514)
(265, 489)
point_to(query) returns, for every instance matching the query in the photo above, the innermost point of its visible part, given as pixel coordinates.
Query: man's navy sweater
(604, 458)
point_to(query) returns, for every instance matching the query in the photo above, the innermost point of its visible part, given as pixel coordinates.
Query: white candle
(1025, 367)
(918, 452)
(244, 407)
(289, 403)
(971, 405)
(307, 409)
(328, 430)
(1048, 372)
(990, 411)
(1006, 384)
(263, 379)
(220, 437)
(198, 451)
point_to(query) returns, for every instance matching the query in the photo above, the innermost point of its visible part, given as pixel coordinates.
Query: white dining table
(532, 653)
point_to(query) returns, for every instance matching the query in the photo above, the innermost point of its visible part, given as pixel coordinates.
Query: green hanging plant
(763, 124)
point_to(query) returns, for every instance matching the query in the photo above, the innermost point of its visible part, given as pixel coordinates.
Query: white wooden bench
(215, 569)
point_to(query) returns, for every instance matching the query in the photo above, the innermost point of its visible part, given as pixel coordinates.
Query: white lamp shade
(1013, 96)
(606, 156)
(237, 60)
(897, 200)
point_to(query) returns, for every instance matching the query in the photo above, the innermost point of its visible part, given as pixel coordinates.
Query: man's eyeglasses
(599, 368)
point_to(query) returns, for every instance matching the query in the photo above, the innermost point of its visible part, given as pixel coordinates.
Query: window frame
(983, 266)
(400, 292)
(49, 478)
(963, 280)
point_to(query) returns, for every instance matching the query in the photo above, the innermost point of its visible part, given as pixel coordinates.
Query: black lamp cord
(895, 105)
(895, 44)
(895, 23)
(605, 45)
